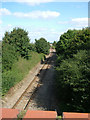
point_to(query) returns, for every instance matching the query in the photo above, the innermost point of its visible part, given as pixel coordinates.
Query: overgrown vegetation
(18, 57)
(19, 70)
(73, 70)
(9, 56)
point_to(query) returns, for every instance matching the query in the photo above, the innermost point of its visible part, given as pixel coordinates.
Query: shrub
(9, 56)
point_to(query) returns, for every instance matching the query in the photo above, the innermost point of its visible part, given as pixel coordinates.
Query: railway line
(25, 99)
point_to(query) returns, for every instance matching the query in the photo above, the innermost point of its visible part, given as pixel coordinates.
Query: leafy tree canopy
(19, 39)
(73, 70)
(42, 46)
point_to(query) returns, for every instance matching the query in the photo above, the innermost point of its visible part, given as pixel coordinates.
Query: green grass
(19, 70)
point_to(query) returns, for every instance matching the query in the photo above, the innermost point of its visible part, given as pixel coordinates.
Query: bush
(8, 80)
(9, 56)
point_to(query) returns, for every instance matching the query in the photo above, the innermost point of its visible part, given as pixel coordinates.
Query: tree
(73, 69)
(54, 44)
(66, 43)
(42, 46)
(32, 47)
(19, 39)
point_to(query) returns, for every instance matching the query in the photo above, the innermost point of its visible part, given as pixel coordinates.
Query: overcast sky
(44, 18)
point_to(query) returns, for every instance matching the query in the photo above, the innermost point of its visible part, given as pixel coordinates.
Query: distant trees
(54, 44)
(42, 46)
(73, 70)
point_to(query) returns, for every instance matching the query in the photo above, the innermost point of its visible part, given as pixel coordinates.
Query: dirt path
(44, 98)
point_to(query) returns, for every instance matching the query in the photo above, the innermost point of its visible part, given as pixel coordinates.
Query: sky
(46, 18)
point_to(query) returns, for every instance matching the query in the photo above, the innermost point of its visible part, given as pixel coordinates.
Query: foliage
(18, 57)
(73, 40)
(42, 46)
(32, 47)
(19, 70)
(9, 56)
(73, 70)
(54, 44)
(18, 38)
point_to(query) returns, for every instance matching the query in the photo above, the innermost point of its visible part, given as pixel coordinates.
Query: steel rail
(20, 98)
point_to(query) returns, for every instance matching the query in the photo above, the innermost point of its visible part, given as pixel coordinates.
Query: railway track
(28, 94)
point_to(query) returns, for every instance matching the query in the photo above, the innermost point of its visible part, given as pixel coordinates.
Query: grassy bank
(19, 70)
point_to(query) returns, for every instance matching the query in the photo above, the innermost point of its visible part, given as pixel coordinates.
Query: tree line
(73, 70)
